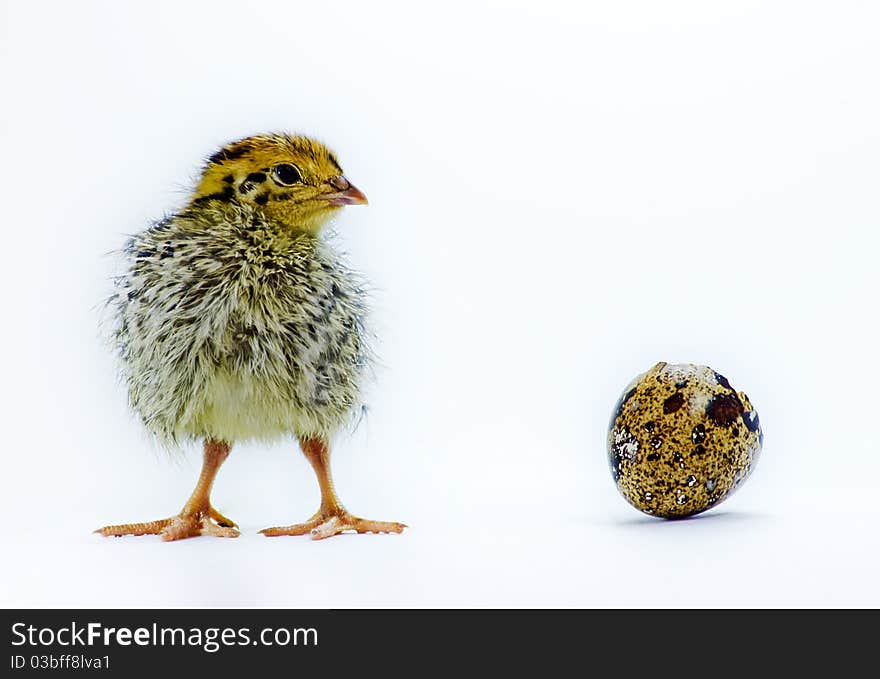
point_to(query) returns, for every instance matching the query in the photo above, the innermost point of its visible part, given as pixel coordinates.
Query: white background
(561, 194)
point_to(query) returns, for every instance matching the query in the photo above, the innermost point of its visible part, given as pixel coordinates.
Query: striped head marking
(294, 180)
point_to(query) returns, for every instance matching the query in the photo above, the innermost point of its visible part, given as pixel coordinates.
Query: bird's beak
(344, 193)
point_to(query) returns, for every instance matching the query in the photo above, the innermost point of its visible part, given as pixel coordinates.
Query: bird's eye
(286, 174)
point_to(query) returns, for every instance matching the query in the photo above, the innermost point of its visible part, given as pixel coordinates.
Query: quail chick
(236, 320)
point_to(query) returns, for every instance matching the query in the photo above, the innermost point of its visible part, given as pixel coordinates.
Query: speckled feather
(231, 326)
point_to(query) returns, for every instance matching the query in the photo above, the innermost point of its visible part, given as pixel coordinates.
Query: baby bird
(236, 320)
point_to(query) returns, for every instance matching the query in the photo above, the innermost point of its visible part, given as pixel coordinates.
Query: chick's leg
(332, 518)
(197, 517)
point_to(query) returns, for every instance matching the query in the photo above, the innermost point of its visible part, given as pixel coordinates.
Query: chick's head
(294, 180)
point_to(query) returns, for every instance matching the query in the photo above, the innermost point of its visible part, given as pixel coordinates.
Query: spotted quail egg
(681, 440)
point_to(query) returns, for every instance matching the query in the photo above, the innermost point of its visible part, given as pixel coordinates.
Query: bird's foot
(326, 524)
(187, 524)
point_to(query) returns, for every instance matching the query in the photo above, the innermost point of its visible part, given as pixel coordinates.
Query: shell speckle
(713, 433)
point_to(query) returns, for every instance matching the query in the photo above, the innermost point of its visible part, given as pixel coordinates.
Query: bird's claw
(221, 520)
(322, 526)
(184, 525)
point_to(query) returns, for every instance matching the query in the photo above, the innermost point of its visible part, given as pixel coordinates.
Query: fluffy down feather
(230, 328)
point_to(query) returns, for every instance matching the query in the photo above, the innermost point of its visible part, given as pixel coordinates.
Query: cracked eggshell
(681, 440)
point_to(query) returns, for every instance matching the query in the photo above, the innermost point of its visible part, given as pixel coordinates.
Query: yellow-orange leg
(197, 517)
(332, 518)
